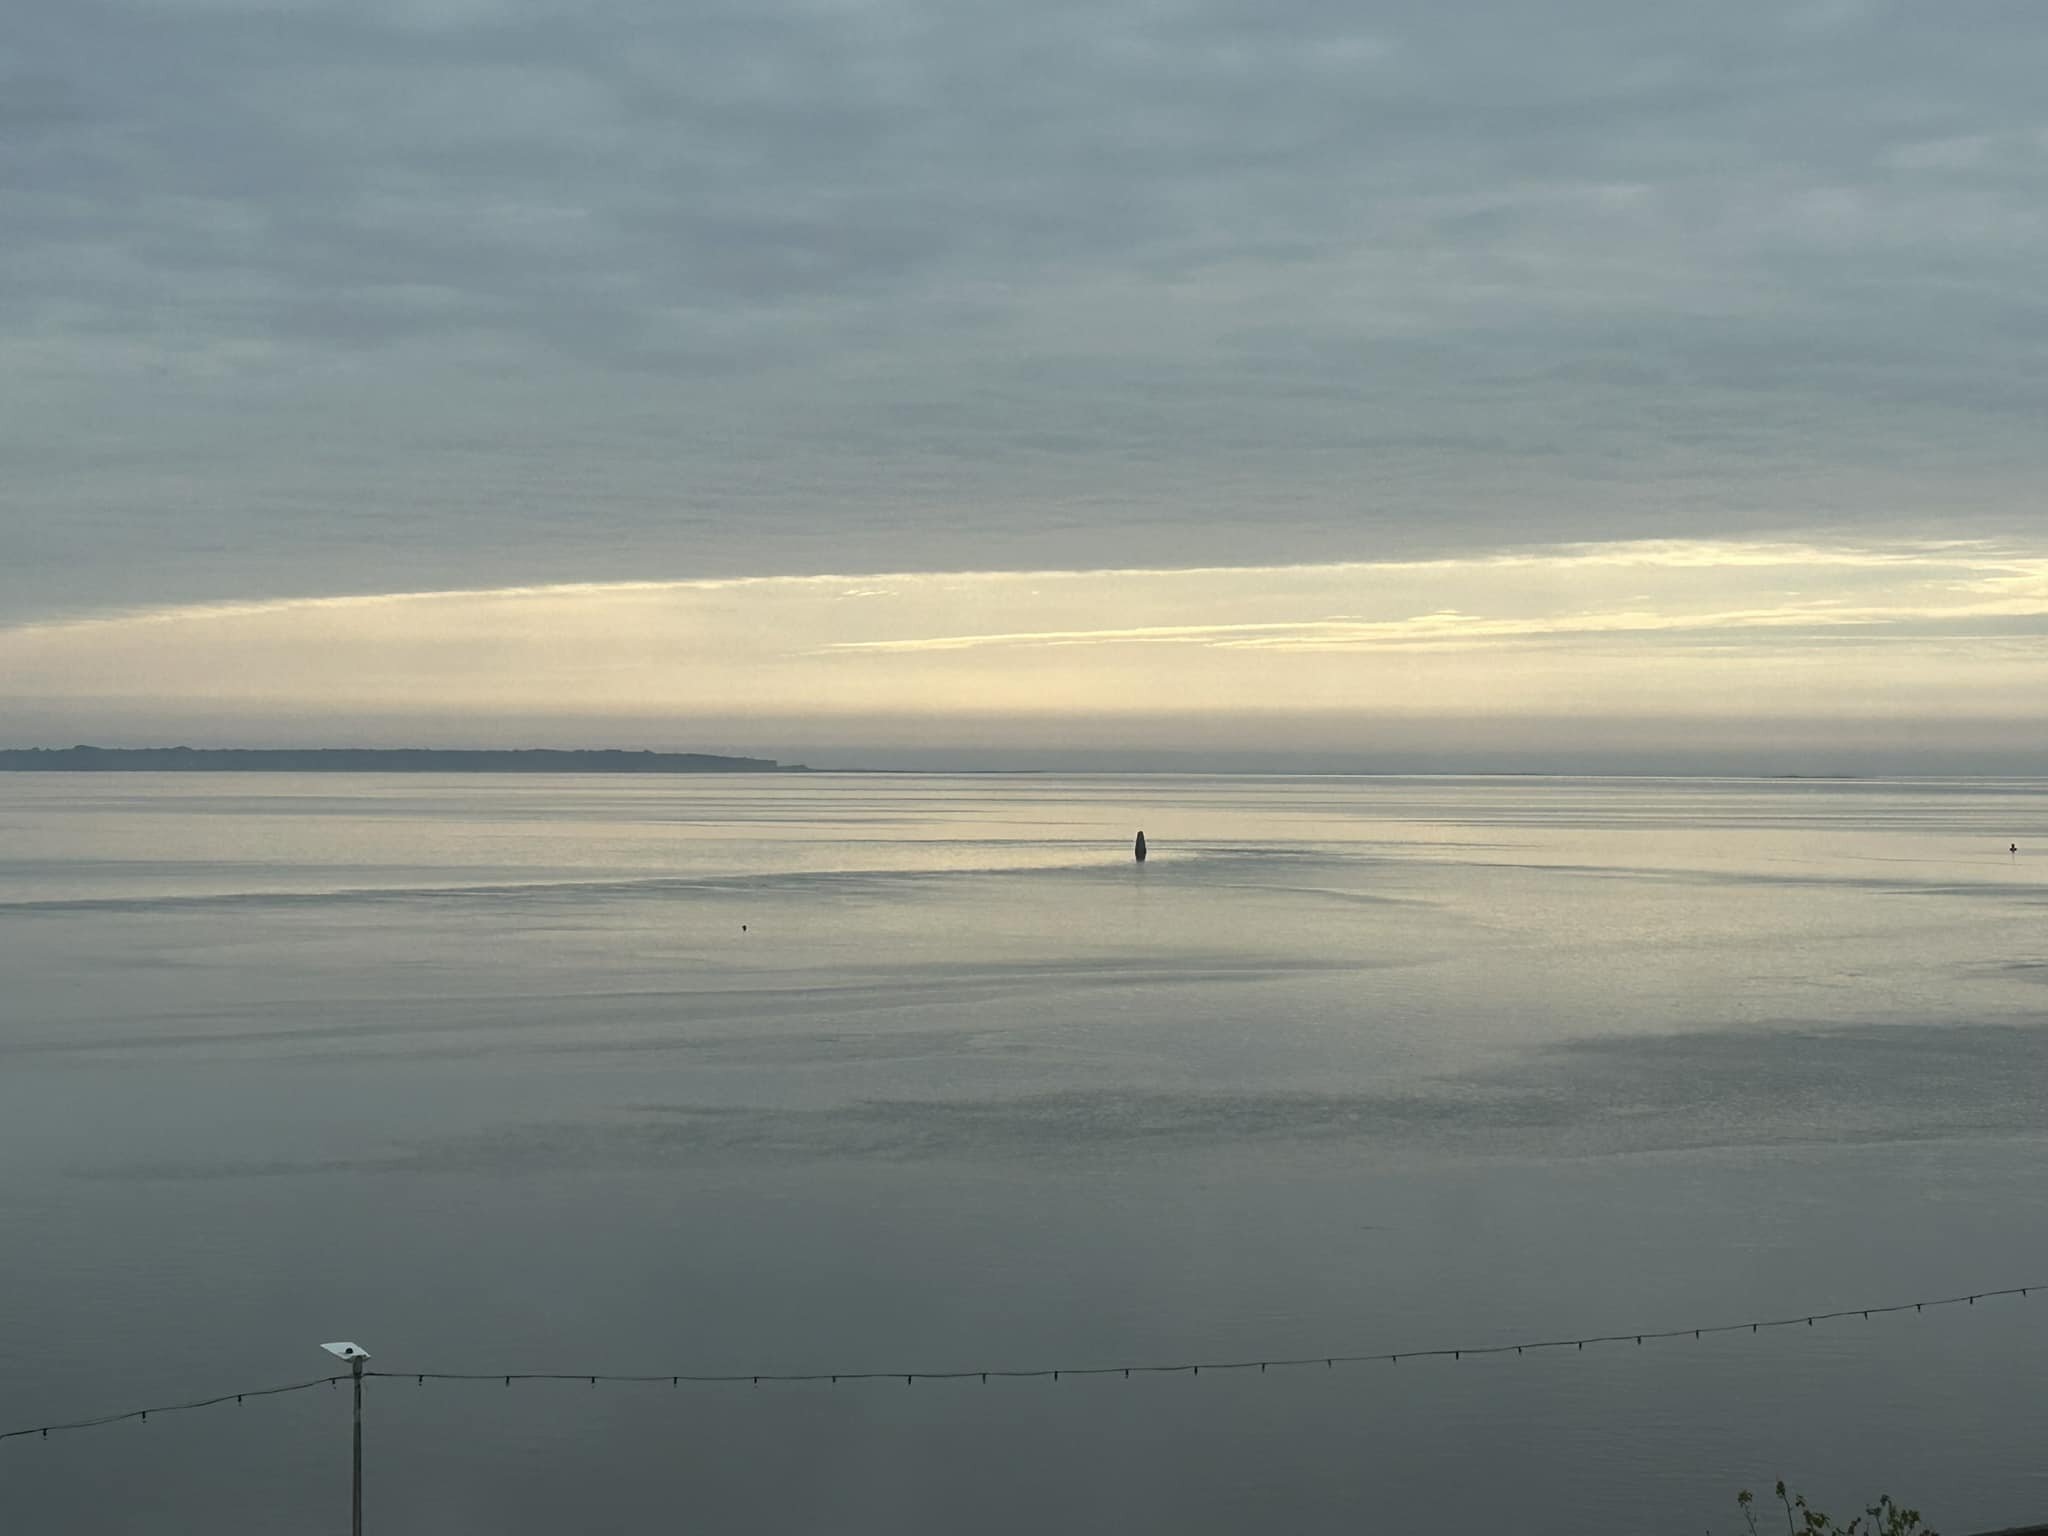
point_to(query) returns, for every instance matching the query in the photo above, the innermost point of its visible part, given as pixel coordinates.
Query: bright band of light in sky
(1681, 630)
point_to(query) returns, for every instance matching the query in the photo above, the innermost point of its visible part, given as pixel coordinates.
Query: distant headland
(372, 760)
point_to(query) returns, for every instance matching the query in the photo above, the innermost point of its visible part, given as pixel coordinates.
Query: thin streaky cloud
(1741, 633)
(1647, 554)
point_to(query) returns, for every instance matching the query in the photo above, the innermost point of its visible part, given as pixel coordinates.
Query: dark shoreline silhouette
(373, 760)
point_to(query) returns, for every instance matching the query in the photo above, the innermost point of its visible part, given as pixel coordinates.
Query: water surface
(849, 1073)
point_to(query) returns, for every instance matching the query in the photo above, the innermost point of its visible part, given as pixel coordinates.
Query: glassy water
(893, 1073)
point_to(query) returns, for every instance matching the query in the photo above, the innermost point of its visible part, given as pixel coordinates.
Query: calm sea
(895, 1073)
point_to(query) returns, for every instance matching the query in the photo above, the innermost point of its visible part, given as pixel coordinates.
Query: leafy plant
(1884, 1518)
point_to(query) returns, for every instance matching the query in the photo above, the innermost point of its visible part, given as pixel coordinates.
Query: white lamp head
(347, 1351)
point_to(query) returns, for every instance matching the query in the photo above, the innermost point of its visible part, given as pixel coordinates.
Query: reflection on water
(489, 1073)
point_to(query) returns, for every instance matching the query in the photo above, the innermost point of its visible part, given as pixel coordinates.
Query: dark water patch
(877, 882)
(1184, 864)
(1633, 1095)
(1080, 1123)
(660, 1018)
(1330, 893)
(522, 894)
(2031, 892)
(2024, 970)
(1863, 1083)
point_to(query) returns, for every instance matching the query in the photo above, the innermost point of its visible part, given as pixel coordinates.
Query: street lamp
(355, 1355)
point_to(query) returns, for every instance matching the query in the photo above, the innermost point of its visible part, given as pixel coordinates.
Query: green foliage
(1884, 1518)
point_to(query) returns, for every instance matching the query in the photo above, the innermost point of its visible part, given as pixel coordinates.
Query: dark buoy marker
(1139, 851)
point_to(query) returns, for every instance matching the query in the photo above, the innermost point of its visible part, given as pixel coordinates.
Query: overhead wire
(1328, 1361)
(1196, 1367)
(142, 1414)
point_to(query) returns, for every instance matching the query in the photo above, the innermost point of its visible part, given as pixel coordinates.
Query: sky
(1232, 382)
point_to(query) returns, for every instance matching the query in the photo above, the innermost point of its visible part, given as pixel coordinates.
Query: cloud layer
(318, 296)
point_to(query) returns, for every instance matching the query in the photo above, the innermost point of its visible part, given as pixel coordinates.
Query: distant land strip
(372, 760)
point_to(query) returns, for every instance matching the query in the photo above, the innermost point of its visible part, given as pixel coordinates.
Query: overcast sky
(302, 299)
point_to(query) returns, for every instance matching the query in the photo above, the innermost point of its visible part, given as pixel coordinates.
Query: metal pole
(356, 1480)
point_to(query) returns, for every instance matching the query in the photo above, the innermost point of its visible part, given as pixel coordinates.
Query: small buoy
(1139, 850)
(743, 927)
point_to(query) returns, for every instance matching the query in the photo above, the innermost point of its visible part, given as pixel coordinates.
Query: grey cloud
(35, 104)
(321, 297)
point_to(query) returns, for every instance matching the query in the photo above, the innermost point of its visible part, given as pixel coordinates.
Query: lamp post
(355, 1355)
